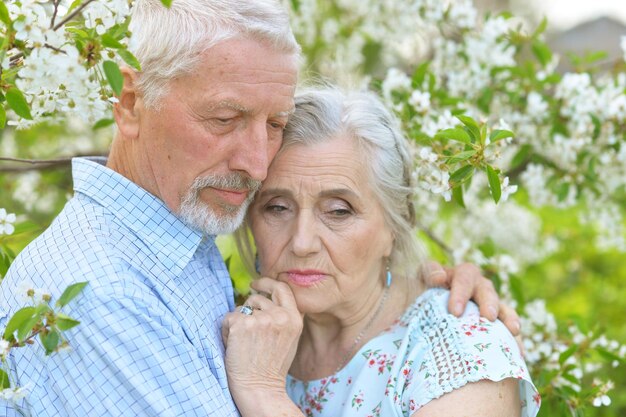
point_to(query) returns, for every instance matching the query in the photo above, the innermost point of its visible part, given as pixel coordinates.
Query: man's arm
(129, 356)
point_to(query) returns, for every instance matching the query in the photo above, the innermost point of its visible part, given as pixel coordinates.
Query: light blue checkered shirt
(149, 341)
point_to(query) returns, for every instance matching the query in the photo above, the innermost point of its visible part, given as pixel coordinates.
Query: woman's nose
(305, 240)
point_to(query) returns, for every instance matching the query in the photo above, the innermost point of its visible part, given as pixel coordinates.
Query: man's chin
(208, 220)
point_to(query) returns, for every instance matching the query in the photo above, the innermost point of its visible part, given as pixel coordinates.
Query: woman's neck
(330, 339)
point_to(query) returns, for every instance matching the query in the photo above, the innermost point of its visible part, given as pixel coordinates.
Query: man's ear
(126, 111)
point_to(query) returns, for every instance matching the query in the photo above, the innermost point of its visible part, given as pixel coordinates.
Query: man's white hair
(169, 42)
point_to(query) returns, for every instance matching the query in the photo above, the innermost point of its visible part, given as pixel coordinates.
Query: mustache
(232, 181)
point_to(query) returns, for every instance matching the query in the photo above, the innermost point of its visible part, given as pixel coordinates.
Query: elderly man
(196, 132)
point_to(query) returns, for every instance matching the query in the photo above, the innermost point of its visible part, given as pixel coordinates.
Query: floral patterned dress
(425, 354)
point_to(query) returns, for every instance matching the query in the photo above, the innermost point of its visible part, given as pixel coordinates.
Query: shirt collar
(167, 237)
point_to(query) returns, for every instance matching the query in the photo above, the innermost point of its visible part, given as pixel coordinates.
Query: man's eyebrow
(285, 113)
(228, 105)
(238, 107)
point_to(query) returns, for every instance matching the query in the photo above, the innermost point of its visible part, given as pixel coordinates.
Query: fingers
(278, 292)
(259, 302)
(435, 275)
(464, 280)
(511, 320)
(486, 297)
(226, 328)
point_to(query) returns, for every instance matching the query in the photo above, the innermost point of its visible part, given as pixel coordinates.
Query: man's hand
(466, 282)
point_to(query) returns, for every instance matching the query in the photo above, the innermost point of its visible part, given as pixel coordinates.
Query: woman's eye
(275, 208)
(340, 212)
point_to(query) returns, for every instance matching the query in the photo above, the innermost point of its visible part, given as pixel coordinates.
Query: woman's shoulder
(442, 352)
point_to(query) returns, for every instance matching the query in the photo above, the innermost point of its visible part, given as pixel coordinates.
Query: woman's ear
(126, 111)
(390, 244)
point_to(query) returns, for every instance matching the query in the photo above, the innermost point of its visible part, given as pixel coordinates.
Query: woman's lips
(305, 278)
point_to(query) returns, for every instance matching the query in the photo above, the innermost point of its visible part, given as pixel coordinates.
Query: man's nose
(253, 151)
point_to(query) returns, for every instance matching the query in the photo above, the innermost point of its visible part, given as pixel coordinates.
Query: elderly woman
(334, 229)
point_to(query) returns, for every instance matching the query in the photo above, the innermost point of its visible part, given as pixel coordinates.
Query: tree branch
(36, 164)
(72, 15)
(438, 241)
(54, 15)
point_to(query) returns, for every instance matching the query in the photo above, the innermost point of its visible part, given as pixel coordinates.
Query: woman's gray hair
(169, 41)
(326, 113)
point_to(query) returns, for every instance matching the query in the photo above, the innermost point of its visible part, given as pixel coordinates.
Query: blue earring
(388, 282)
(257, 264)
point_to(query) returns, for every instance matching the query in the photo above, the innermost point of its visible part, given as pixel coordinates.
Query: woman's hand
(261, 346)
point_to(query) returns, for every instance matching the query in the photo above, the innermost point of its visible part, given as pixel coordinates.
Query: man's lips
(232, 197)
(305, 278)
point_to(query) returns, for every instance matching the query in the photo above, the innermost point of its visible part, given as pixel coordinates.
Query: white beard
(200, 216)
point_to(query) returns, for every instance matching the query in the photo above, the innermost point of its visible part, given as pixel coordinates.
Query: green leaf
(166, 3)
(17, 321)
(498, 134)
(129, 58)
(81, 33)
(4, 14)
(484, 100)
(65, 322)
(110, 42)
(521, 156)
(102, 123)
(517, 291)
(610, 355)
(420, 74)
(566, 354)
(457, 195)
(18, 103)
(5, 263)
(597, 126)
(114, 76)
(472, 126)
(542, 52)
(461, 174)
(541, 28)
(3, 117)
(4, 380)
(562, 191)
(461, 156)
(70, 293)
(26, 227)
(50, 341)
(494, 183)
(75, 4)
(457, 134)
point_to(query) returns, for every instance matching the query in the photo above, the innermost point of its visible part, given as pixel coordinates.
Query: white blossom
(396, 80)
(536, 106)
(507, 189)
(5, 346)
(602, 400)
(420, 101)
(6, 222)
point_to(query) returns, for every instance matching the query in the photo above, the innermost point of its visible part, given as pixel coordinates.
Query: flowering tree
(499, 137)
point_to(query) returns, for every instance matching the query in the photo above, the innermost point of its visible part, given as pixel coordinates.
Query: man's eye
(223, 121)
(276, 125)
